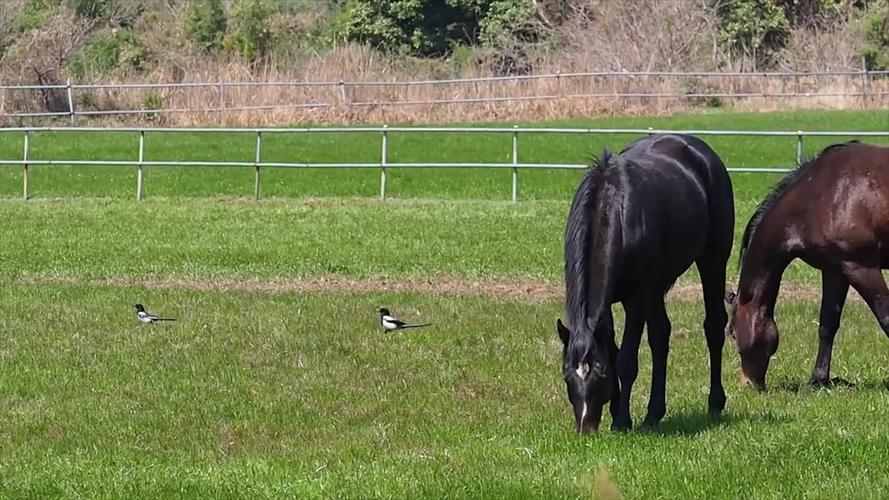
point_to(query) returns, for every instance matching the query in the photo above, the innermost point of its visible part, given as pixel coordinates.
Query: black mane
(775, 194)
(577, 240)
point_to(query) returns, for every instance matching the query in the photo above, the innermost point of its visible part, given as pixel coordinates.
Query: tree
(755, 28)
(205, 23)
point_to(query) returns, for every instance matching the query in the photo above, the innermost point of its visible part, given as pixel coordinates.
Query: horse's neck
(761, 273)
(606, 257)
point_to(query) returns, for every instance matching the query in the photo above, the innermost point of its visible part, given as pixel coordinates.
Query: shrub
(120, 50)
(876, 37)
(753, 27)
(205, 23)
(91, 9)
(250, 36)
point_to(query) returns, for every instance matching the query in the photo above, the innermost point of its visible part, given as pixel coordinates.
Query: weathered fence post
(864, 80)
(70, 92)
(221, 104)
(383, 161)
(256, 164)
(343, 95)
(25, 167)
(799, 147)
(515, 162)
(141, 173)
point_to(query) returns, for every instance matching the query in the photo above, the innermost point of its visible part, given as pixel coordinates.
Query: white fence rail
(26, 160)
(554, 86)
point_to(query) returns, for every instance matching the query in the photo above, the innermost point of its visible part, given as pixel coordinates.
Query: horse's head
(756, 335)
(587, 375)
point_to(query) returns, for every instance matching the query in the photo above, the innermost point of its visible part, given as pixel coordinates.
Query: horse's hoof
(650, 424)
(715, 413)
(621, 427)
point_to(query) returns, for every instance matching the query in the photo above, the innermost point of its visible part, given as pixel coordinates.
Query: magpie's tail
(165, 319)
(415, 326)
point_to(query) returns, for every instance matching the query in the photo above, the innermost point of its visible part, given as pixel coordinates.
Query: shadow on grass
(691, 424)
(836, 383)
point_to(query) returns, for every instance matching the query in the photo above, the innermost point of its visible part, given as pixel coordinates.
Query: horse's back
(841, 201)
(682, 196)
(680, 167)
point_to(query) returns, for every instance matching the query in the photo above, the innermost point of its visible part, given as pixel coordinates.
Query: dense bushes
(495, 36)
(876, 37)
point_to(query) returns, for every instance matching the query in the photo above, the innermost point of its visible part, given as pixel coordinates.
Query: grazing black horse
(833, 213)
(637, 222)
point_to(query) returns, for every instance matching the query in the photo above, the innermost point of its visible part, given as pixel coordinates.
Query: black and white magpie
(146, 317)
(391, 323)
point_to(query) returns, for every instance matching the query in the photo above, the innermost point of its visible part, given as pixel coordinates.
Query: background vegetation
(50, 41)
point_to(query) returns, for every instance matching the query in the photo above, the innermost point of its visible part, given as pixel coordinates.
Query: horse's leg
(834, 288)
(715, 318)
(628, 360)
(869, 283)
(615, 383)
(614, 404)
(659, 342)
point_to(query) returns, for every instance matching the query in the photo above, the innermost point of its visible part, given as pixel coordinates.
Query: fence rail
(26, 160)
(73, 100)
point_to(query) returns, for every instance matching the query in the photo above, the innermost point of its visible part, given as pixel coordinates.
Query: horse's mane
(775, 194)
(577, 240)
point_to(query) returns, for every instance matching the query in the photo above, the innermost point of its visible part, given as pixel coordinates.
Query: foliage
(120, 50)
(418, 27)
(91, 9)
(508, 20)
(35, 13)
(250, 35)
(752, 27)
(876, 37)
(205, 23)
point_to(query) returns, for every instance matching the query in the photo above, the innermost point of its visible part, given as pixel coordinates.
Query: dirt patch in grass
(496, 288)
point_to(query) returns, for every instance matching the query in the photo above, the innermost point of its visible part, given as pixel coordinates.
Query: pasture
(275, 380)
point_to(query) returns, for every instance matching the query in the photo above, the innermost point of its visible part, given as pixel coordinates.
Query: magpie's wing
(395, 321)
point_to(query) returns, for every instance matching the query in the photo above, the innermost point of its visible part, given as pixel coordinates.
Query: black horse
(833, 213)
(637, 222)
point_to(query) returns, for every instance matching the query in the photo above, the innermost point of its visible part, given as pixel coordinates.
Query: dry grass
(594, 36)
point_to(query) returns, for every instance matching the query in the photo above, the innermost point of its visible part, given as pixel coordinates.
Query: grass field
(275, 381)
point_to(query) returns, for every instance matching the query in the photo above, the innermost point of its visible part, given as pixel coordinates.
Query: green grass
(256, 394)
(270, 395)
(120, 182)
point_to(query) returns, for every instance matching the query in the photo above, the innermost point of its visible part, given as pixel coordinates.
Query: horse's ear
(564, 333)
(730, 297)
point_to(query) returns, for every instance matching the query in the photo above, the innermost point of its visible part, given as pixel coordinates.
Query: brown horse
(833, 213)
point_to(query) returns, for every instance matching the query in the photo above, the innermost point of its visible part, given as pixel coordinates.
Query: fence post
(650, 131)
(258, 156)
(343, 95)
(141, 173)
(383, 161)
(221, 105)
(515, 161)
(70, 92)
(799, 147)
(864, 80)
(25, 167)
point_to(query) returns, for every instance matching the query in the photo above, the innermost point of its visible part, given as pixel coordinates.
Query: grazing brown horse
(833, 213)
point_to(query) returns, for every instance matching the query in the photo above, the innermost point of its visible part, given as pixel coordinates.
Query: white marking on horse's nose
(583, 414)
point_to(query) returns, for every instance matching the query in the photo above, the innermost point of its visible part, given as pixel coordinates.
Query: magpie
(390, 323)
(146, 317)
